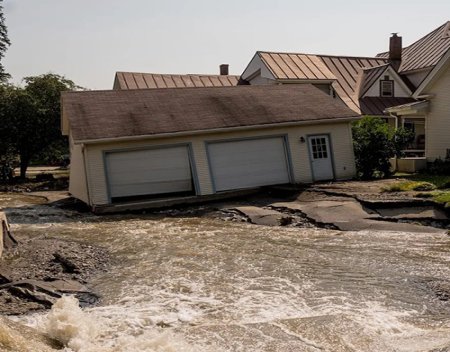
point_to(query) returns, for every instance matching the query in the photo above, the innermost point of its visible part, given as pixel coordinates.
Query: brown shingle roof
(427, 51)
(96, 115)
(137, 80)
(345, 70)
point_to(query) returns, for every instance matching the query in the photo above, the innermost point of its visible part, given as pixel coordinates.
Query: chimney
(224, 70)
(395, 51)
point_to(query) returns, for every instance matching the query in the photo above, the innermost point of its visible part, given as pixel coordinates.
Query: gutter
(417, 108)
(215, 130)
(426, 96)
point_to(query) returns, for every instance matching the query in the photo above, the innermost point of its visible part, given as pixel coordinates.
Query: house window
(410, 126)
(387, 88)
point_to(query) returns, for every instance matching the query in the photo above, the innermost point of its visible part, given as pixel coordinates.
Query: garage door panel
(126, 190)
(248, 163)
(150, 171)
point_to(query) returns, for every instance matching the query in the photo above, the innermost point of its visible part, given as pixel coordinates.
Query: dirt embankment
(39, 270)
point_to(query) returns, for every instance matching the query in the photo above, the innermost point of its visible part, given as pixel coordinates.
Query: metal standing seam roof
(425, 52)
(94, 115)
(137, 80)
(347, 70)
(343, 70)
(296, 66)
(376, 106)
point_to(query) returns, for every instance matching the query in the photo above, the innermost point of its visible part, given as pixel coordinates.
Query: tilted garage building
(147, 144)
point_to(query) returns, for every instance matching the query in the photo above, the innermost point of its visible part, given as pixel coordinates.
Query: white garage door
(149, 171)
(248, 163)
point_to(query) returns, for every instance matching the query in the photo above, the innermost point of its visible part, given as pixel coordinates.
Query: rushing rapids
(201, 284)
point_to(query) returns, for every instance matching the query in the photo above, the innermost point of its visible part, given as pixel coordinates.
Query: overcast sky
(89, 40)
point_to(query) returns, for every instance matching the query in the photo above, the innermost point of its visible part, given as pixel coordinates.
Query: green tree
(4, 43)
(32, 117)
(6, 145)
(374, 144)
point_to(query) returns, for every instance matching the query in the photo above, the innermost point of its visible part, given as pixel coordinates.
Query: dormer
(382, 81)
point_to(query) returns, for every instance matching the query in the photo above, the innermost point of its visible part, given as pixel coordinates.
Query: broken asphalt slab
(261, 216)
(44, 292)
(350, 215)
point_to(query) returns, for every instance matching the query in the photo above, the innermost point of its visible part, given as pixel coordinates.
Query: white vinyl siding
(248, 163)
(148, 171)
(437, 128)
(340, 139)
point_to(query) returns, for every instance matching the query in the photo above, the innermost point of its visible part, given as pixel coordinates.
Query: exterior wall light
(302, 139)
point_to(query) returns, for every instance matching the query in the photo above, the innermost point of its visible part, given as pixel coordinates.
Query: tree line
(29, 116)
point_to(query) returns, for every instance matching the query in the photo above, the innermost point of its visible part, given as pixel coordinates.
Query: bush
(374, 144)
(439, 167)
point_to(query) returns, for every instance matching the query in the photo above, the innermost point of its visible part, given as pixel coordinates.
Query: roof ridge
(175, 74)
(275, 86)
(375, 67)
(321, 55)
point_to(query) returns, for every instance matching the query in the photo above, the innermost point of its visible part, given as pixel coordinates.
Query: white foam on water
(68, 324)
(88, 331)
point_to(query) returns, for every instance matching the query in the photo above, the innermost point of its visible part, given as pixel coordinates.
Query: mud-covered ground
(46, 260)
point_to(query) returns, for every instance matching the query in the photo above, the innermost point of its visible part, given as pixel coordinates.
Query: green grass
(436, 187)
(442, 197)
(411, 186)
(440, 181)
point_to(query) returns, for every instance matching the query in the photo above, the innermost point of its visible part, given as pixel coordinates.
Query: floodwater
(188, 283)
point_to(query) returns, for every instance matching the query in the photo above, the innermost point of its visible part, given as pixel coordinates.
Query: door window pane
(319, 148)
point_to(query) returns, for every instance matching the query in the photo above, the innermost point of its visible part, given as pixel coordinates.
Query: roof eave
(409, 109)
(432, 75)
(217, 130)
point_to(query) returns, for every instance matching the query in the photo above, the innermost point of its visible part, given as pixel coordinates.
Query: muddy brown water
(201, 284)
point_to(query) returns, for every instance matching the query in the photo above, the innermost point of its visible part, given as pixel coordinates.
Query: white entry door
(248, 163)
(320, 156)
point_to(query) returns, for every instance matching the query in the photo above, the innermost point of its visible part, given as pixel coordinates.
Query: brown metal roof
(344, 70)
(376, 105)
(427, 51)
(296, 66)
(137, 80)
(94, 115)
(347, 70)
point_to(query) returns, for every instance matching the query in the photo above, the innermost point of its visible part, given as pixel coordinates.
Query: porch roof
(414, 108)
